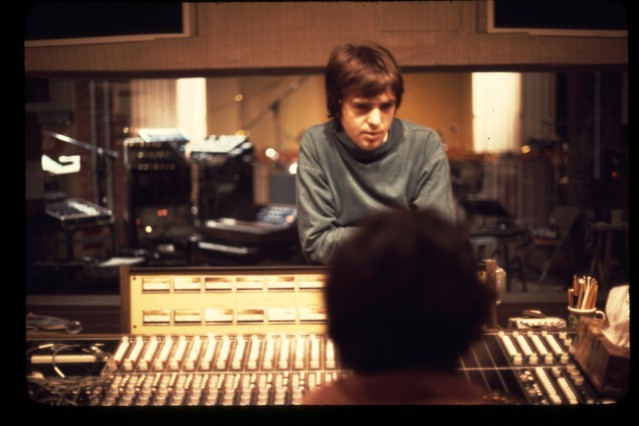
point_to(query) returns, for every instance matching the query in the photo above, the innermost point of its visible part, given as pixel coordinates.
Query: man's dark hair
(404, 292)
(366, 69)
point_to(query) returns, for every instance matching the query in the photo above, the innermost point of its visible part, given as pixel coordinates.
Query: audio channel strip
(533, 367)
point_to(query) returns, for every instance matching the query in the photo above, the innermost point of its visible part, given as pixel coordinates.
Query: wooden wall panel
(240, 36)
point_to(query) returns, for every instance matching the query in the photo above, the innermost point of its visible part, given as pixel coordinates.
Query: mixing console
(258, 336)
(532, 367)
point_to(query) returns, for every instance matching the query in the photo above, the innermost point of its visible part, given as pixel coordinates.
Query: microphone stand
(275, 108)
(102, 153)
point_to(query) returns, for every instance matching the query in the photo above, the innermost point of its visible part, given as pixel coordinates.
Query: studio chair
(496, 231)
(555, 239)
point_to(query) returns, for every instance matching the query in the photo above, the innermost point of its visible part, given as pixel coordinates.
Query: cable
(55, 351)
(74, 392)
(101, 358)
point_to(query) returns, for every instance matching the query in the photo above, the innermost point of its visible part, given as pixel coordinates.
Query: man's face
(367, 120)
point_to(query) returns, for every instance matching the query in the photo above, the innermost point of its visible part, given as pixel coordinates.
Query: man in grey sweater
(364, 159)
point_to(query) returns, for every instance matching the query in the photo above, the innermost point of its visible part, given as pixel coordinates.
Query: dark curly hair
(404, 292)
(367, 69)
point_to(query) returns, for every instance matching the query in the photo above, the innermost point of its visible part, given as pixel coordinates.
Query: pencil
(580, 295)
(586, 298)
(593, 297)
(571, 297)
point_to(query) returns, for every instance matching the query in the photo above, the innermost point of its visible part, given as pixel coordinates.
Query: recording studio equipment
(272, 233)
(219, 369)
(71, 164)
(78, 228)
(270, 221)
(257, 336)
(165, 135)
(159, 170)
(76, 210)
(220, 144)
(159, 187)
(199, 300)
(223, 176)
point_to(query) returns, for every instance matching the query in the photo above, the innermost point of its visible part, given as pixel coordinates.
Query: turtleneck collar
(368, 156)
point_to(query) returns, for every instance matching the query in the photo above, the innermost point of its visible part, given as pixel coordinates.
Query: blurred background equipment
(159, 187)
(223, 177)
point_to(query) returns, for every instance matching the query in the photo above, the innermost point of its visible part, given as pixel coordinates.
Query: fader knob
(228, 398)
(518, 359)
(127, 365)
(534, 359)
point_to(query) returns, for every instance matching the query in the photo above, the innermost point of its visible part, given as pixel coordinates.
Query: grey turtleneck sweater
(338, 183)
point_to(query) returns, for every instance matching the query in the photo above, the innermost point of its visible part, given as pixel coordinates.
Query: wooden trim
(125, 299)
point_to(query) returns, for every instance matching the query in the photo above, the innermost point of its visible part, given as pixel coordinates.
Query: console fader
(257, 360)
(534, 367)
